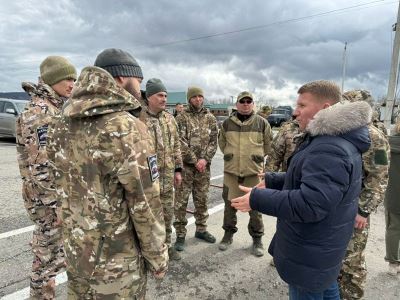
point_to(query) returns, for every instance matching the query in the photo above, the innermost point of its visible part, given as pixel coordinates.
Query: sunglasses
(243, 101)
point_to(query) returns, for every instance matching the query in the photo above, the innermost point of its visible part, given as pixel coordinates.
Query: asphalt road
(203, 273)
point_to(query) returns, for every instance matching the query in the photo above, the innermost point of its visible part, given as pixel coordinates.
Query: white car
(9, 111)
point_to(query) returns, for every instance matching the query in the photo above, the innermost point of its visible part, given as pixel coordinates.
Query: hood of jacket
(347, 119)
(97, 93)
(43, 91)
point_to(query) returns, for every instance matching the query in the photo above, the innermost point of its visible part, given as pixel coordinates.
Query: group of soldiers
(107, 172)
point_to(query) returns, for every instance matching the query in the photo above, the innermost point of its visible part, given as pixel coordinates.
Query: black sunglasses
(243, 101)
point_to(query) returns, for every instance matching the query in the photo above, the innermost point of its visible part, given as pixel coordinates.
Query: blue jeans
(331, 293)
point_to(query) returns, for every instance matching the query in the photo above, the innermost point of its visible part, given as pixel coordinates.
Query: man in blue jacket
(315, 201)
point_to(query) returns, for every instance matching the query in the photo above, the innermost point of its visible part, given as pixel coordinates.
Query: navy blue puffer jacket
(315, 202)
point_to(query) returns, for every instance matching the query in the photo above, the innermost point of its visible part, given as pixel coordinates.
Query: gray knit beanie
(154, 86)
(118, 63)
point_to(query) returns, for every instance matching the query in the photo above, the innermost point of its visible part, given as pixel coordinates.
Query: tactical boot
(173, 254)
(206, 236)
(180, 243)
(226, 241)
(393, 269)
(258, 248)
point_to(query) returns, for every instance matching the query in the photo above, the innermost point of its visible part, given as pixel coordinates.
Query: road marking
(62, 278)
(8, 234)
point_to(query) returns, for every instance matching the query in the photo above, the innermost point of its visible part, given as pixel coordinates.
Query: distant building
(220, 109)
(174, 98)
(217, 109)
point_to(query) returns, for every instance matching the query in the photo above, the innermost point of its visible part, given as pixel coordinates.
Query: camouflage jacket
(283, 146)
(164, 130)
(378, 124)
(198, 133)
(31, 130)
(106, 174)
(375, 172)
(244, 144)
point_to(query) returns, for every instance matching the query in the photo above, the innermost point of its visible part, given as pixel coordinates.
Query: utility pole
(344, 66)
(390, 99)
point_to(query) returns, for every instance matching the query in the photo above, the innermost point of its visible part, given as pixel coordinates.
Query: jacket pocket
(228, 157)
(257, 158)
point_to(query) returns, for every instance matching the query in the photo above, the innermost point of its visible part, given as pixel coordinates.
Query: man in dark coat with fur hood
(315, 201)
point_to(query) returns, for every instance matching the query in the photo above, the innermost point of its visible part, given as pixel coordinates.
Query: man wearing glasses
(244, 139)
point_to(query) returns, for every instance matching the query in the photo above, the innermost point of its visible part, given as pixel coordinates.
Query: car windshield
(21, 105)
(280, 111)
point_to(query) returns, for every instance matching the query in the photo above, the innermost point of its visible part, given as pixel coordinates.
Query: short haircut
(178, 104)
(324, 90)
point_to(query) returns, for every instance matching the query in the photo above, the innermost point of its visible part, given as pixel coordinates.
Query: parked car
(9, 111)
(279, 116)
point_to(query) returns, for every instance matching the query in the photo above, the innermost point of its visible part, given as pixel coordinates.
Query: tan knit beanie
(194, 91)
(56, 68)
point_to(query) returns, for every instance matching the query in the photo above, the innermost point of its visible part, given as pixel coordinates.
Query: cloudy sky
(267, 47)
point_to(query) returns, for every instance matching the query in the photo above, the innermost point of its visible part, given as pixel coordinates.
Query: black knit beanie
(118, 63)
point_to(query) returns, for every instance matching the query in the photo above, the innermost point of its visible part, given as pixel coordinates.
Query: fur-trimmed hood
(340, 118)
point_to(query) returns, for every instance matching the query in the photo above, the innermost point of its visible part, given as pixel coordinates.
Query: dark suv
(279, 116)
(9, 111)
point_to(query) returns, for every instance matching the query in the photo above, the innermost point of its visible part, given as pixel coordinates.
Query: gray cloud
(272, 61)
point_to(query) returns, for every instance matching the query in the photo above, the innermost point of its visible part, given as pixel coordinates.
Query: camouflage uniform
(164, 131)
(265, 111)
(283, 146)
(38, 189)
(198, 132)
(244, 145)
(378, 124)
(107, 179)
(375, 176)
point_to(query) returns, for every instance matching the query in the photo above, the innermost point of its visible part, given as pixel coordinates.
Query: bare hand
(242, 203)
(360, 222)
(261, 184)
(201, 165)
(177, 179)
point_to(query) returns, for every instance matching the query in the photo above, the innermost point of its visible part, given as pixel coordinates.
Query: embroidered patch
(42, 135)
(380, 157)
(152, 162)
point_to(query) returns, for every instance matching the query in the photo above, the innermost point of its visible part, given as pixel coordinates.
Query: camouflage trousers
(198, 184)
(129, 286)
(48, 260)
(231, 190)
(353, 274)
(167, 202)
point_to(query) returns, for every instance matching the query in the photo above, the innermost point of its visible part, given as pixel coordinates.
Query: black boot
(258, 248)
(226, 241)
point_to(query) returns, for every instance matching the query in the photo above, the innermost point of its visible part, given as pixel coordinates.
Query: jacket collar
(340, 118)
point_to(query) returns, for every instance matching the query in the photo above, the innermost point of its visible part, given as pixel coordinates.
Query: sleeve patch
(380, 157)
(42, 135)
(152, 162)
